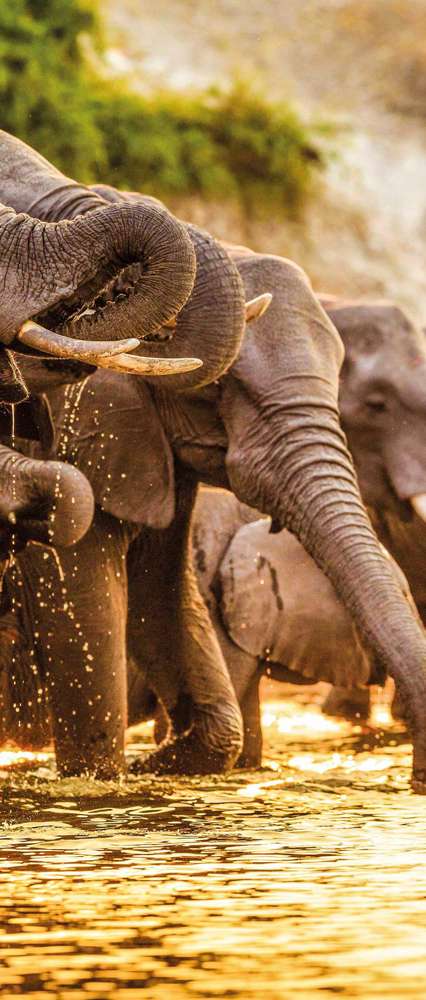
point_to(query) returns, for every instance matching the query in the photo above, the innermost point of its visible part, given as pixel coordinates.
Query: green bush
(232, 145)
(45, 82)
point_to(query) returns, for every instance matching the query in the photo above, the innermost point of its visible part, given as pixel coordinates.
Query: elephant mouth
(67, 329)
(110, 290)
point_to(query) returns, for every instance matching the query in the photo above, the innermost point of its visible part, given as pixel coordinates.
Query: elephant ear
(277, 605)
(108, 427)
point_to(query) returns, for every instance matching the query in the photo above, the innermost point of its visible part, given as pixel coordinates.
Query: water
(305, 879)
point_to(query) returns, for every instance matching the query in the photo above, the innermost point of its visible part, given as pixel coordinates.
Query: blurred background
(298, 127)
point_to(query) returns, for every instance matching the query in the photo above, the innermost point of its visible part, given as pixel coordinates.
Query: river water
(306, 879)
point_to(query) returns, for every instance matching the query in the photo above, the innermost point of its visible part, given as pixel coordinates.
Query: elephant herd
(145, 594)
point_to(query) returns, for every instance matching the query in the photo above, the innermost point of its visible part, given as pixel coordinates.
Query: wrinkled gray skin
(269, 431)
(89, 728)
(97, 277)
(383, 405)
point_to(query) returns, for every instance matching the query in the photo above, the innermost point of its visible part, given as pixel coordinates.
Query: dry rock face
(358, 63)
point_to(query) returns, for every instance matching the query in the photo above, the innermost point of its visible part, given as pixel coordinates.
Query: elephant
(267, 428)
(214, 319)
(383, 406)
(383, 409)
(41, 501)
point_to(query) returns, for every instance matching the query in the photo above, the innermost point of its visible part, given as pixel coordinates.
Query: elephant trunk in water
(288, 456)
(326, 514)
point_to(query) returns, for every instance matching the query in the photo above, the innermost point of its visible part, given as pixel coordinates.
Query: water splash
(272, 883)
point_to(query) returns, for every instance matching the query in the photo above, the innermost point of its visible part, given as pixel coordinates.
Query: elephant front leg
(171, 634)
(353, 704)
(80, 602)
(251, 755)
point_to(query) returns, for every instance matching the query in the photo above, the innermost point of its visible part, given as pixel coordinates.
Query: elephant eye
(376, 403)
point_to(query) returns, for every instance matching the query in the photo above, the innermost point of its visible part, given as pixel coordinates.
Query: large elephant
(268, 429)
(383, 408)
(273, 611)
(212, 326)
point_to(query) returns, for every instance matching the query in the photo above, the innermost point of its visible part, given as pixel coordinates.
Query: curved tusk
(418, 503)
(36, 337)
(256, 307)
(135, 365)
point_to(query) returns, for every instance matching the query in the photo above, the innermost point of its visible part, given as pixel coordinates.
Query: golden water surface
(304, 880)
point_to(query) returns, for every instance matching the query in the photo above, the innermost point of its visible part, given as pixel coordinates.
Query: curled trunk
(100, 277)
(111, 269)
(211, 325)
(47, 502)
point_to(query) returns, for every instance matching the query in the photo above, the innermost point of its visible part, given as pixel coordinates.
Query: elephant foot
(418, 782)
(353, 705)
(184, 755)
(248, 762)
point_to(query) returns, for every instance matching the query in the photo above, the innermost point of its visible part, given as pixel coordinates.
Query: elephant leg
(251, 755)
(24, 710)
(79, 610)
(161, 724)
(171, 633)
(142, 702)
(353, 704)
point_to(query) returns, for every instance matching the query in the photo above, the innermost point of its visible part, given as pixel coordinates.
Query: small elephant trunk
(47, 502)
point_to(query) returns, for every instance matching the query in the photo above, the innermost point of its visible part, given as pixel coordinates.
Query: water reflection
(305, 879)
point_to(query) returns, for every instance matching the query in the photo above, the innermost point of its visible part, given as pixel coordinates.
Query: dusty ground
(361, 65)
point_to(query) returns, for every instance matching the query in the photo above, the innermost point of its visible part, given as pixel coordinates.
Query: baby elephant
(274, 612)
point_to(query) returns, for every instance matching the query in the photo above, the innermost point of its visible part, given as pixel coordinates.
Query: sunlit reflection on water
(305, 879)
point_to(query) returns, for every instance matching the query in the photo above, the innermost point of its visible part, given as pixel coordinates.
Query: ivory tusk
(58, 346)
(256, 307)
(135, 365)
(418, 503)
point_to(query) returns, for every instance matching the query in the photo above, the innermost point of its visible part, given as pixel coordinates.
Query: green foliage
(226, 145)
(45, 80)
(232, 145)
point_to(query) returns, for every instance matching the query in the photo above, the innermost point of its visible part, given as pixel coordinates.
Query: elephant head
(287, 456)
(88, 281)
(383, 402)
(132, 266)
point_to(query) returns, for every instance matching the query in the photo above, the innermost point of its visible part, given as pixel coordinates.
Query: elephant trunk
(47, 502)
(132, 269)
(80, 277)
(319, 501)
(211, 324)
